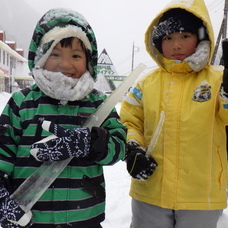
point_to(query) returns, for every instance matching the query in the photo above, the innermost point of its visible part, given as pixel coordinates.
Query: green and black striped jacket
(65, 202)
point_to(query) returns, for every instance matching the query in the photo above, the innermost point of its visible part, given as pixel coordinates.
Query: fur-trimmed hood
(56, 25)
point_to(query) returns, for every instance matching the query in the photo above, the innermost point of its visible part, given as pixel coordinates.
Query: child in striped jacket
(63, 62)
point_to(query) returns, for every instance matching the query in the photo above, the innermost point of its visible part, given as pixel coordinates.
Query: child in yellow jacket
(189, 160)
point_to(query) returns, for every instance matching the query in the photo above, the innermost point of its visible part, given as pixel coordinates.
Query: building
(107, 77)
(14, 72)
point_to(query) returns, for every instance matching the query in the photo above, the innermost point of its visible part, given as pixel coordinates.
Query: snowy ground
(118, 207)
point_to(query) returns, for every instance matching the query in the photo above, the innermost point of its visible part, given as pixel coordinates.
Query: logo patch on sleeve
(202, 93)
(137, 93)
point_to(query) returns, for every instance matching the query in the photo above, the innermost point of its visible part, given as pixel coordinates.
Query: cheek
(166, 51)
(49, 65)
(82, 66)
(192, 48)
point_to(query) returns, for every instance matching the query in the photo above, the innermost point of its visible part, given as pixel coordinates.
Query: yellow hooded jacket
(190, 151)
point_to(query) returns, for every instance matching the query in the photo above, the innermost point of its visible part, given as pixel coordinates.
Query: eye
(76, 56)
(54, 55)
(186, 36)
(167, 38)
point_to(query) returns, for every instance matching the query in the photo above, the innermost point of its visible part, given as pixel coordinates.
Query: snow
(58, 86)
(10, 51)
(118, 203)
(4, 97)
(118, 206)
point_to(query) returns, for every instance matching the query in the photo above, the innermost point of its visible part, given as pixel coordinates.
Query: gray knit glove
(68, 143)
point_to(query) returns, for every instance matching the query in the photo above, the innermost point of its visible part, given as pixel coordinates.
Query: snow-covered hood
(196, 7)
(56, 25)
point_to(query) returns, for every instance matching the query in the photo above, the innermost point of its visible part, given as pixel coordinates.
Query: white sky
(119, 23)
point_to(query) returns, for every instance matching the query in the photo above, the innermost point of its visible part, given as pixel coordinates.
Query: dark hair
(67, 42)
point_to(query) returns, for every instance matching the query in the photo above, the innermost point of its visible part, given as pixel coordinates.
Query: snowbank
(4, 97)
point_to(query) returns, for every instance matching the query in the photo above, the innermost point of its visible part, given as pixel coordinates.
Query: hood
(56, 25)
(196, 7)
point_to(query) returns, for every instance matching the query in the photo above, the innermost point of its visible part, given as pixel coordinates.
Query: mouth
(71, 75)
(177, 56)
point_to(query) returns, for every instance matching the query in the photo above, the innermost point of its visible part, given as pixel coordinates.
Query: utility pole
(223, 33)
(133, 56)
(134, 49)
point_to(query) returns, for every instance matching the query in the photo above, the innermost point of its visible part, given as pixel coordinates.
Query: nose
(177, 44)
(65, 63)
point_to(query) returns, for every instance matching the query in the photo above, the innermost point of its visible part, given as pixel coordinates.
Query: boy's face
(71, 61)
(178, 45)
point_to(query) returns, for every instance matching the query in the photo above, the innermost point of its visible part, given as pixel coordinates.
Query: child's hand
(11, 215)
(139, 165)
(70, 143)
